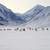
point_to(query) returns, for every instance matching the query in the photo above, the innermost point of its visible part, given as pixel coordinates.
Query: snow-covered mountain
(33, 12)
(7, 17)
(37, 16)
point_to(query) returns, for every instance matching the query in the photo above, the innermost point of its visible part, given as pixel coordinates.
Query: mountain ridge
(10, 16)
(34, 16)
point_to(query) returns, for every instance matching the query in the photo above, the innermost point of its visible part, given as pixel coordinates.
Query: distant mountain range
(37, 16)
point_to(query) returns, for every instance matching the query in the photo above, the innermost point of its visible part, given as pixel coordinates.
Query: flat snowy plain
(29, 40)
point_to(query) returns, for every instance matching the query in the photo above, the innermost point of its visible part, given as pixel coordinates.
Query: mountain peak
(39, 5)
(35, 10)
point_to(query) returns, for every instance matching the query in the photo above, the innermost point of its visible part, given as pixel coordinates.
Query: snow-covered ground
(29, 40)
